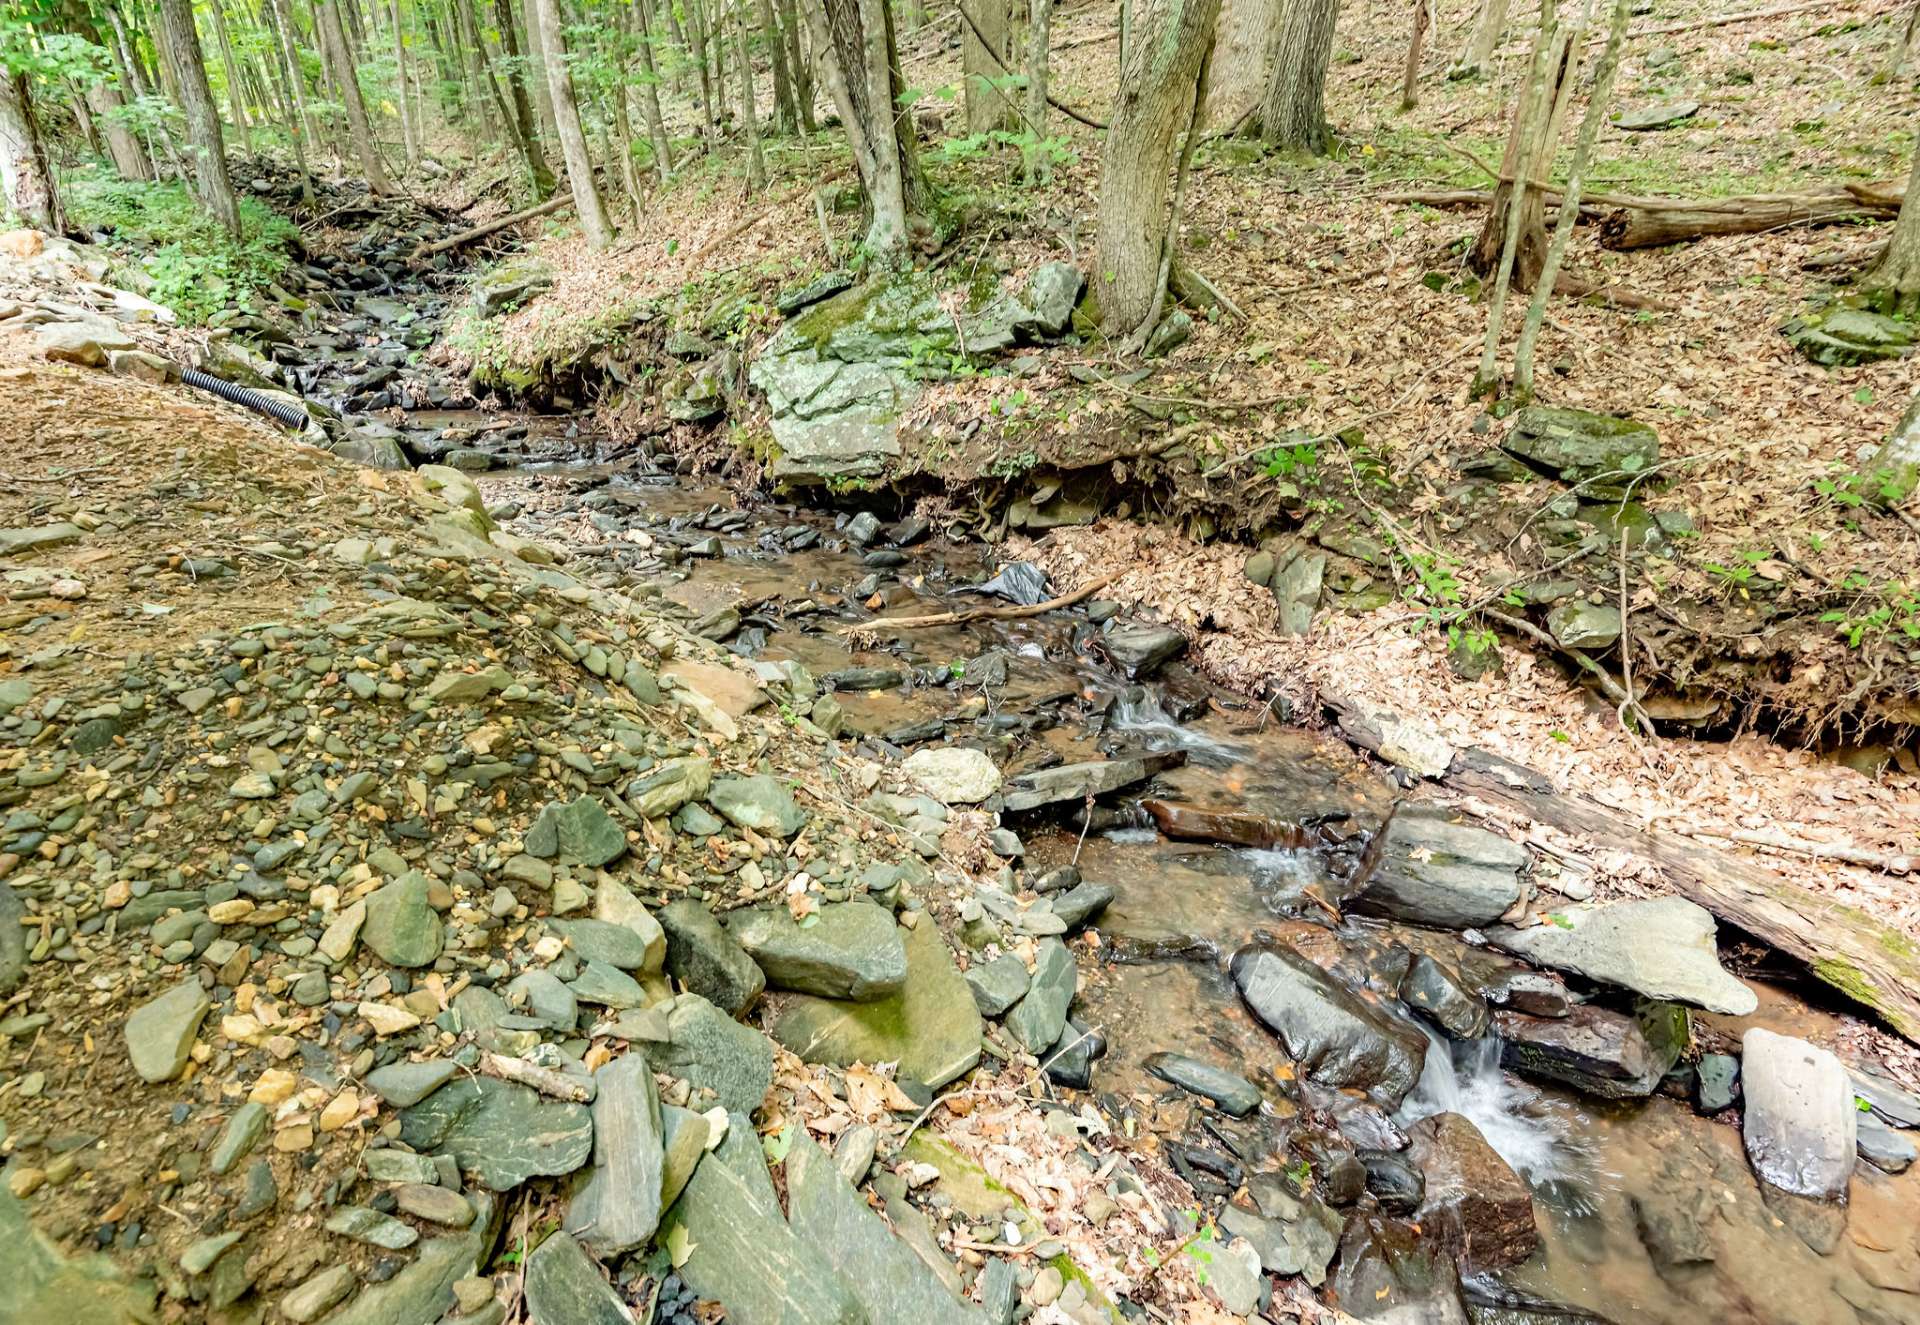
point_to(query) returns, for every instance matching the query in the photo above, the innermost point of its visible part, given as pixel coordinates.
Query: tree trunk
(1416, 47)
(537, 76)
(573, 139)
(799, 63)
(1589, 134)
(697, 33)
(1237, 82)
(528, 132)
(1039, 165)
(334, 37)
(24, 171)
(756, 158)
(236, 105)
(183, 57)
(1898, 273)
(787, 113)
(1159, 92)
(106, 96)
(650, 96)
(409, 134)
(867, 85)
(1487, 27)
(1529, 148)
(986, 53)
(301, 128)
(1294, 116)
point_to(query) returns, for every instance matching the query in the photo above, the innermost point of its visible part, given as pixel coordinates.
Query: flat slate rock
(712, 1051)
(422, 1292)
(844, 950)
(1656, 115)
(1662, 948)
(1231, 1091)
(1798, 1116)
(404, 1084)
(1073, 782)
(619, 1207)
(707, 960)
(931, 1027)
(999, 984)
(887, 1276)
(740, 1251)
(1592, 1049)
(501, 1132)
(1333, 1037)
(160, 1033)
(1037, 1020)
(1429, 870)
(565, 1287)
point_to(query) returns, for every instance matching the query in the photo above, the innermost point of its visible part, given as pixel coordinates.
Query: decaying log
(1646, 227)
(546, 208)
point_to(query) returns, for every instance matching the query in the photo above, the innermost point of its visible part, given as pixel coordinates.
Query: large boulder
(1799, 1119)
(1842, 336)
(508, 286)
(1333, 1037)
(844, 950)
(1390, 1274)
(1474, 1200)
(1661, 948)
(1431, 869)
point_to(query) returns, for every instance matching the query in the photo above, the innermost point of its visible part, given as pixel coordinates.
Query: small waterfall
(1465, 1078)
(1142, 716)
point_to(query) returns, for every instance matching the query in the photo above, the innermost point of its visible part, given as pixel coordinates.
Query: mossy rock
(1844, 336)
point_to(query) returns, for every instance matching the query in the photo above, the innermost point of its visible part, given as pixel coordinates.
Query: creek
(1646, 1209)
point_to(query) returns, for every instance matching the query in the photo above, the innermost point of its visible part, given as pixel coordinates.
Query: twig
(987, 45)
(543, 1079)
(976, 1091)
(1896, 862)
(1608, 686)
(1626, 654)
(985, 613)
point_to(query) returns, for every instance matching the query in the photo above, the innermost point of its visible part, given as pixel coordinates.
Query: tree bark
(867, 87)
(650, 95)
(1237, 83)
(1487, 27)
(986, 53)
(301, 126)
(409, 133)
(1897, 275)
(1039, 165)
(333, 35)
(1530, 143)
(756, 158)
(798, 63)
(1293, 117)
(212, 183)
(1159, 91)
(573, 139)
(236, 104)
(536, 158)
(25, 173)
(786, 111)
(1416, 47)
(537, 76)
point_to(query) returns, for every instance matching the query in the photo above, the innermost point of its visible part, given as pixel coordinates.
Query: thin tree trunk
(537, 76)
(1529, 143)
(1487, 27)
(614, 50)
(1534, 100)
(25, 174)
(799, 63)
(213, 185)
(1159, 93)
(697, 33)
(573, 139)
(1589, 134)
(1897, 275)
(786, 114)
(346, 76)
(302, 127)
(756, 159)
(986, 53)
(867, 86)
(236, 105)
(1039, 164)
(409, 134)
(528, 132)
(1294, 116)
(105, 97)
(1416, 47)
(650, 95)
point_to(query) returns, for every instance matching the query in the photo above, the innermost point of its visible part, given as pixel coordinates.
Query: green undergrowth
(193, 265)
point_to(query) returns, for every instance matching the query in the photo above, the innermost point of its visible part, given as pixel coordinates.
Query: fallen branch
(1893, 862)
(1604, 679)
(543, 1079)
(984, 613)
(466, 237)
(988, 46)
(1725, 20)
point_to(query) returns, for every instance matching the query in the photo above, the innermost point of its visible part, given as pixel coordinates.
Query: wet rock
(707, 960)
(1437, 990)
(1231, 1091)
(1662, 948)
(1332, 1036)
(1072, 782)
(1592, 1049)
(160, 1034)
(1233, 827)
(715, 1053)
(1038, 1018)
(999, 984)
(1293, 1233)
(1069, 1060)
(1798, 1119)
(401, 925)
(1577, 446)
(1891, 1101)
(1716, 1080)
(1673, 1226)
(890, 1282)
(501, 1132)
(1841, 336)
(843, 950)
(1390, 1274)
(580, 831)
(565, 1287)
(954, 775)
(1081, 904)
(1478, 1205)
(1140, 647)
(740, 1250)
(760, 802)
(1429, 869)
(1881, 1146)
(931, 1027)
(1394, 1180)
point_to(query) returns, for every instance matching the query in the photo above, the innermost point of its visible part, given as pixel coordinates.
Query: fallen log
(1650, 227)
(465, 237)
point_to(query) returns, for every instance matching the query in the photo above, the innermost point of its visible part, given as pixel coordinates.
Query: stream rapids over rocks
(1228, 942)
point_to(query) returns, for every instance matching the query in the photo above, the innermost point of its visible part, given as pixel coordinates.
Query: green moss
(1849, 980)
(1071, 1273)
(967, 1184)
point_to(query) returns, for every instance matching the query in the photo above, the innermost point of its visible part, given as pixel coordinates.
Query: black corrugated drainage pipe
(291, 415)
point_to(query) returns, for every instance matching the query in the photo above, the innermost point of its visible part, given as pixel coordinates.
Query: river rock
(1582, 624)
(670, 785)
(1474, 1200)
(707, 960)
(422, 1292)
(1430, 869)
(542, 995)
(13, 941)
(242, 1132)
(760, 802)
(1293, 1233)
(501, 1132)
(1081, 903)
(1889, 1099)
(1881, 1146)
(954, 774)
(613, 904)
(580, 831)
(608, 987)
(999, 984)
(1333, 1037)
(1231, 1091)
(1140, 647)
(603, 941)
(1592, 1049)
(1798, 1117)
(401, 925)
(404, 1084)
(160, 1034)
(1578, 446)
(1390, 1274)
(844, 950)
(1038, 1018)
(1662, 948)
(888, 1279)
(740, 1250)
(931, 1027)
(713, 1052)
(317, 1294)
(565, 1287)
(1074, 782)
(1434, 988)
